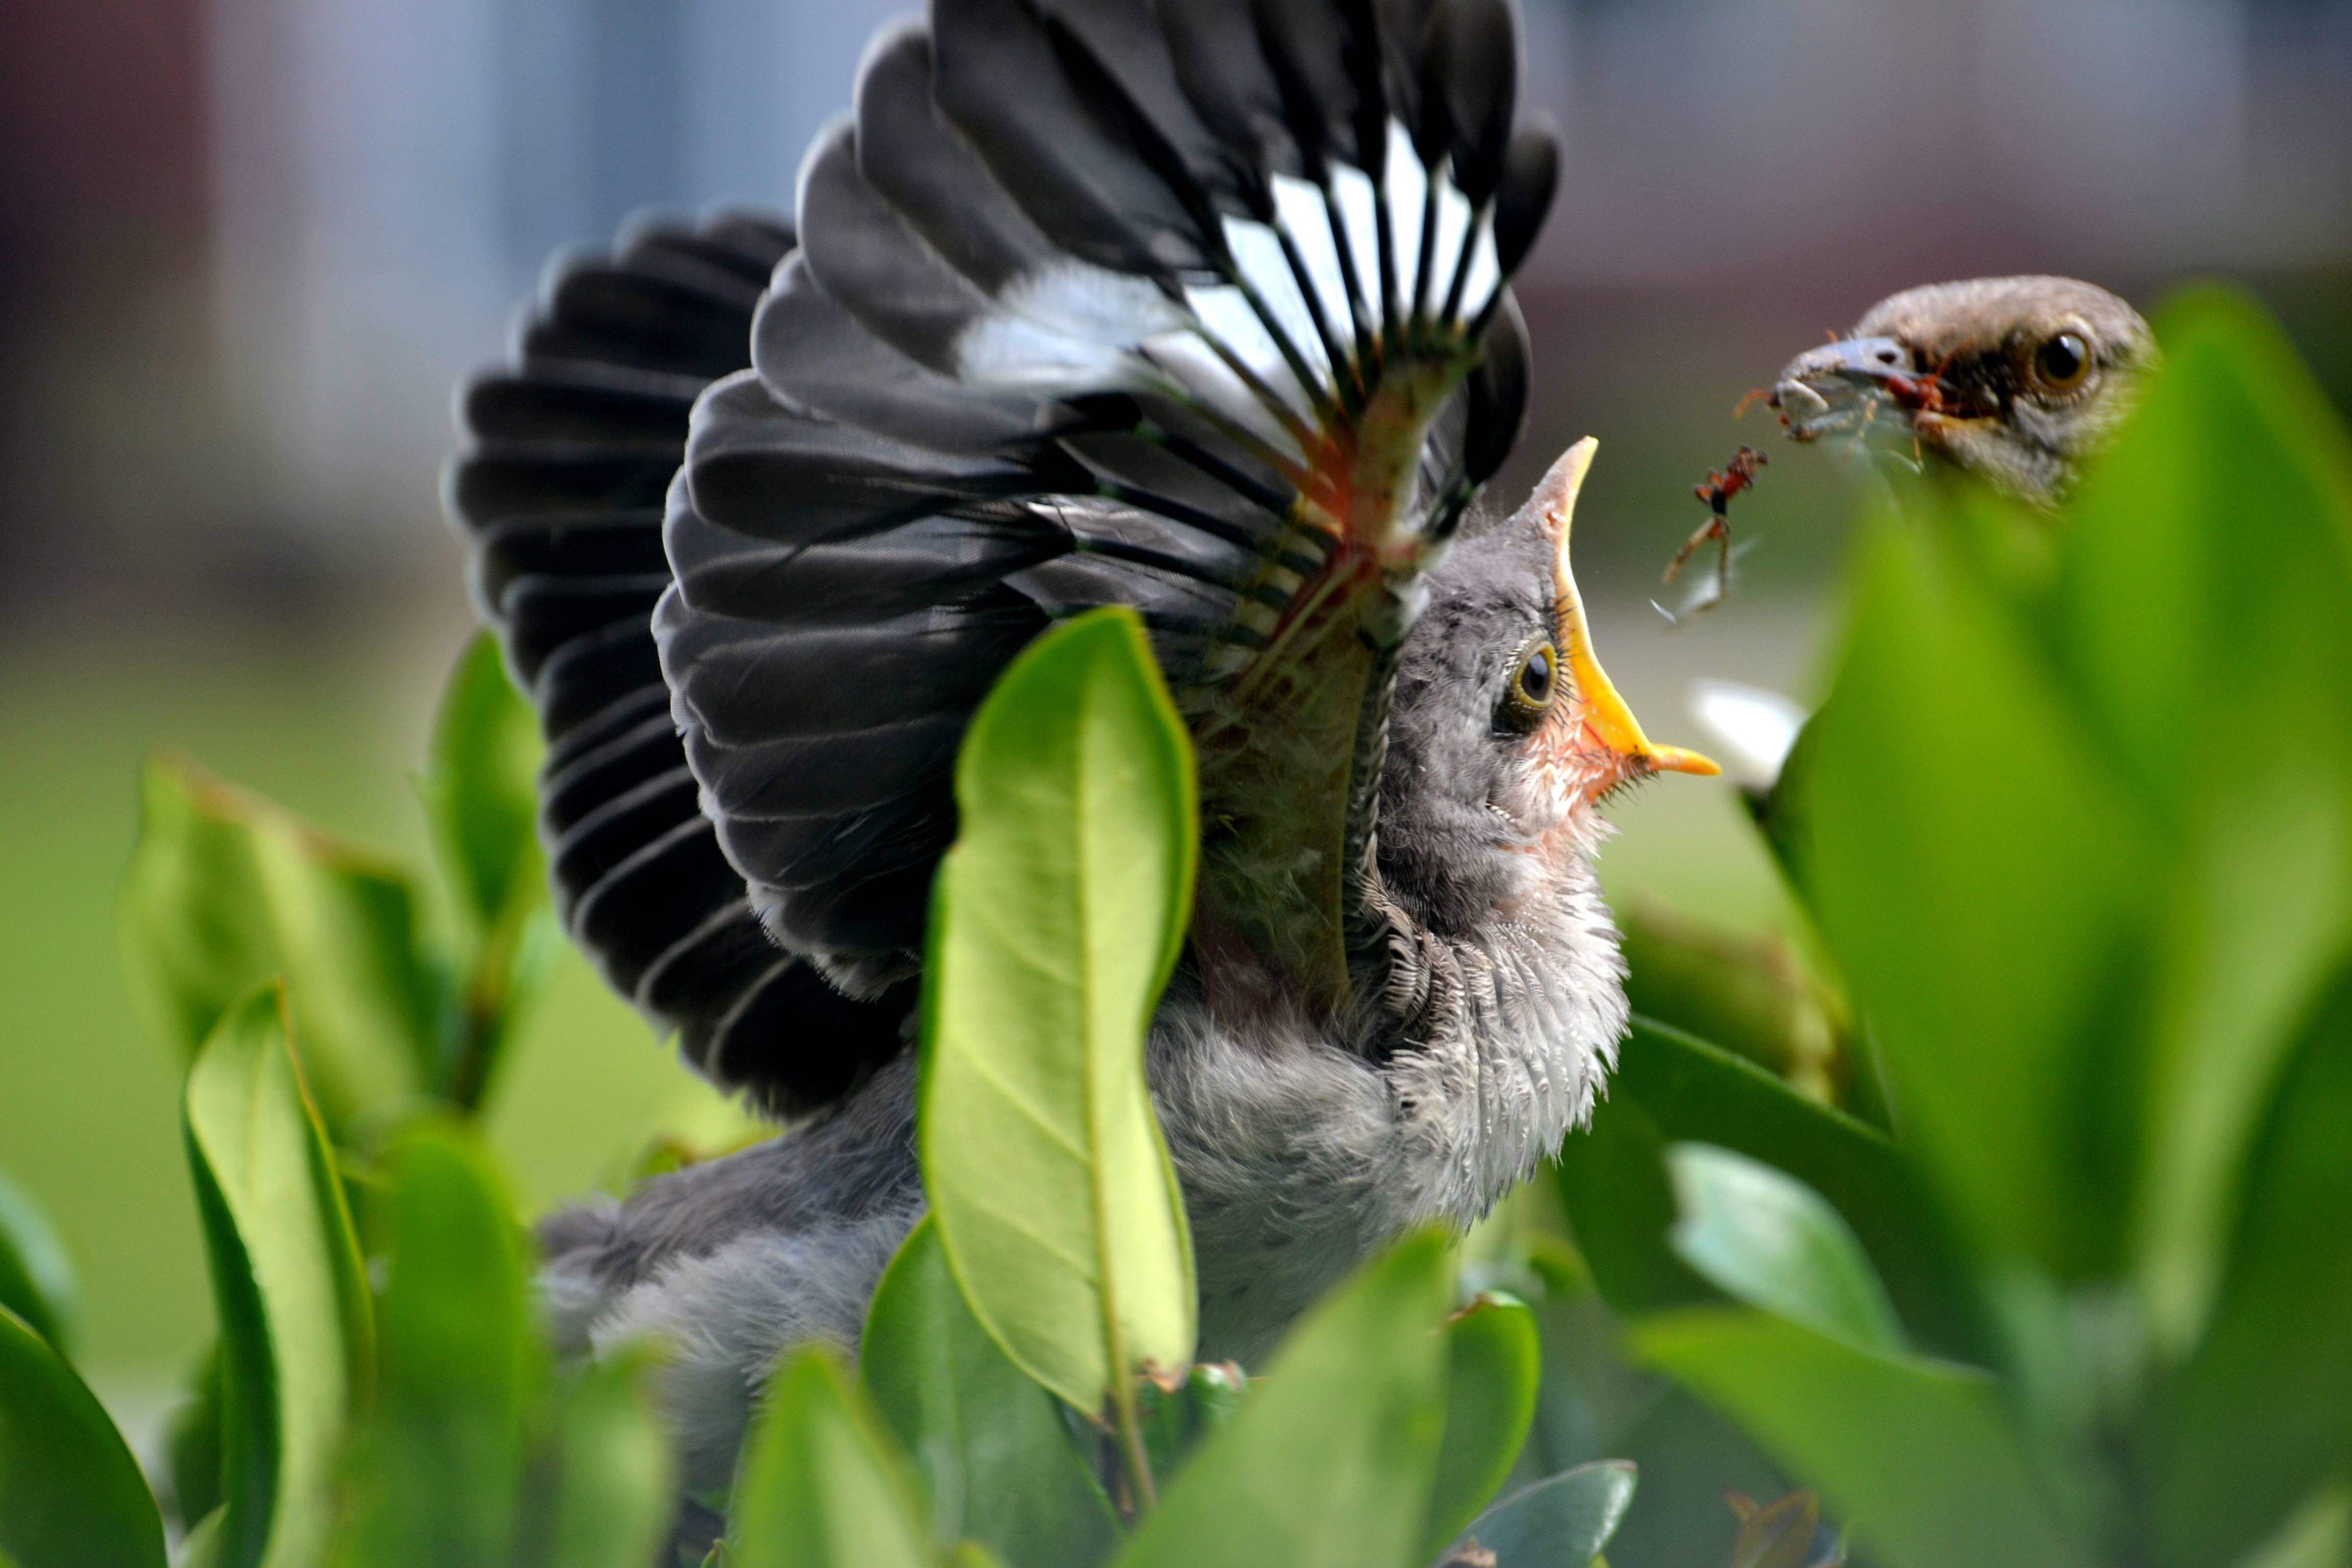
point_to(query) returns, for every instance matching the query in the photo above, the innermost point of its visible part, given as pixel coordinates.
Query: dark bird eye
(2060, 363)
(1532, 684)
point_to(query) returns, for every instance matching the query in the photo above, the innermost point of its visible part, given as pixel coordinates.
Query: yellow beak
(1605, 714)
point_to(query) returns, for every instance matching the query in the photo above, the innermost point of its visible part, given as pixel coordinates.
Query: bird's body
(1190, 305)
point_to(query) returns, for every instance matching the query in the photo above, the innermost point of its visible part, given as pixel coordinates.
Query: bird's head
(2015, 380)
(1507, 734)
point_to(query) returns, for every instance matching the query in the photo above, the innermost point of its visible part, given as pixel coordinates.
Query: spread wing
(1196, 306)
(559, 493)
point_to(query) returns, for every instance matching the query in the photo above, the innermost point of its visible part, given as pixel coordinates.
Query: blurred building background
(248, 247)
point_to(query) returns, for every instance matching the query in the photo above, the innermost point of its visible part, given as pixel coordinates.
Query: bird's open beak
(1602, 712)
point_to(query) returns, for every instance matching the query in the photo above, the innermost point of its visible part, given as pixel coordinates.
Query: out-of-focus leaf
(2206, 612)
(2261, 1413)
(990, 1446)
(193, 1444)
(1494, 1361)
(1919, 1454)
(1180, 1410)
(297, 1338)
(2318, 1536)
(1057, 919)
(70, 1493)
(1562, 1522)
(1328, 1463)
(1982, 882)
(611, 1500)
(437, 1470)
(1766, 1238)
(480, 793)
(1671, 1088)
(822, 1485)
(1778, 1534)
(36, 1276)
(226, 890)
(1742, 993)
(480, 787)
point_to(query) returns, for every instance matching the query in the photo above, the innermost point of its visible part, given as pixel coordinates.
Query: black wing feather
(571, 453)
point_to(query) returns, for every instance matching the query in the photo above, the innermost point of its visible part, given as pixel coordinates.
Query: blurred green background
(247, 246)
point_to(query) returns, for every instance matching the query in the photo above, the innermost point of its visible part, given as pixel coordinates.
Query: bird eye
(1532, 685)
(2062, 363)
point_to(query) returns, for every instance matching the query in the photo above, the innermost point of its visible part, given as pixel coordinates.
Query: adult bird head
(2015, 380)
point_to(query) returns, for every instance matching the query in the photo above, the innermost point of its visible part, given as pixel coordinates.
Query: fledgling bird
(2015, 380)
(1197, 306)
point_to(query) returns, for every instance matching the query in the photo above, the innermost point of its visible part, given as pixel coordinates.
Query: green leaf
(2206, 609)
(481, 788)
(612, 1498)
(193, 1449)
(1328, 1463)
(480, 793)
(1494, 1361)
(70, 1493)
(2262, 1411)
(1779, 1534)
(1181, 1410)
(1671, 1088)
(1766, 1238)
(990, 1446)
(822, 1486)
(226, 890)
(297, 1341)
(36, 1276)
(1056, 920)
(1744, 992)
(438, 1469)
(1919, 1454)
(1983, 882)
(1562, 1522)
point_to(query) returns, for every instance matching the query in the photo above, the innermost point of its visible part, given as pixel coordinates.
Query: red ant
(1716, 490)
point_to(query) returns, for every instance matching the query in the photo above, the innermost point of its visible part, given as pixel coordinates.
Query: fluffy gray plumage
(1301, 1147)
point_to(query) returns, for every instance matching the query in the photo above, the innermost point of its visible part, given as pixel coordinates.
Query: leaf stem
(1127, 1421)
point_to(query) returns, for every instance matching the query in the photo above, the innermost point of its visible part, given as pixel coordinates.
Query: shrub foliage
(2066, 1282)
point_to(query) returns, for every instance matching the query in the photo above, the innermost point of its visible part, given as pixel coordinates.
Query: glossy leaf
(1918, 1454)
(437, 1472)
(1764, 1238)
(481, 788)
(193, 1449)
(1981, 881)
(1562, 1522)
(1181, 1410)
(1494, 1361)
(611, 1497)
(297, 1338)
(2206, 610)
(991, 1449)
(226, 890)
(1779, 1534)
(822, 1484)
(1328, 1464)
(480, 793)
(1671, 1088)
(2261, 1413)
(1056, 920)
(70, 1493)
(36, 1276)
